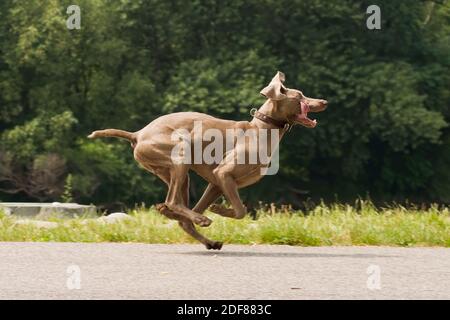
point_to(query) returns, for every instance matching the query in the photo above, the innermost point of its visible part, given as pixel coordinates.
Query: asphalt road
(143, 271)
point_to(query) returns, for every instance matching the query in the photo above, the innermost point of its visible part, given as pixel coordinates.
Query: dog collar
(265, 118)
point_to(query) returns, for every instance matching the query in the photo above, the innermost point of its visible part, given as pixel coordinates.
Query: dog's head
(291, 104)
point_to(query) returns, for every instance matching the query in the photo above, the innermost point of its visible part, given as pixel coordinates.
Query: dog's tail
(130, 136)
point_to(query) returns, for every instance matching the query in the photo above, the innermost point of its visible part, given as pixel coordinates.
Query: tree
(385, 132)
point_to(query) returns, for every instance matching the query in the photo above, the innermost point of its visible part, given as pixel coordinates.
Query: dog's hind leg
(163, 208)
(171, 211)
(176, 196)
(185, 191)
(189, 227)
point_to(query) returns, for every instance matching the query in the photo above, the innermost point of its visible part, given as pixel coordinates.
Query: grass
(322, 226)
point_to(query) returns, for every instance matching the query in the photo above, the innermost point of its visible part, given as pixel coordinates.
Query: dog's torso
(156, 145)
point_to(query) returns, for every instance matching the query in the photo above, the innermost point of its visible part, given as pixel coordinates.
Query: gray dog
(153, 149)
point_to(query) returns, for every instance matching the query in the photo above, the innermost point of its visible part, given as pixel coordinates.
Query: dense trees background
(385, 133)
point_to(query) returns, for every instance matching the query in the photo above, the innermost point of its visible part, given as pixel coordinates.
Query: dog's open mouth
(302, 117)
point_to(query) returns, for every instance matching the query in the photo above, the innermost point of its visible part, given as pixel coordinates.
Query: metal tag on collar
(253, 111)
(287, 127)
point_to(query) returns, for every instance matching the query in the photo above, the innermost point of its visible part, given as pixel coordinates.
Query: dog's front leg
(211, 193)
(230, 190)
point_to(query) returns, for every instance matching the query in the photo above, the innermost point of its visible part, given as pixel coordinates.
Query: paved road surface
(143, 271)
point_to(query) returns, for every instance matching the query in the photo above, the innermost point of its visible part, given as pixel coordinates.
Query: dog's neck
(268, 109)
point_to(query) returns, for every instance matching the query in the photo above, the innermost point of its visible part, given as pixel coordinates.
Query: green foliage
(226, 86)
(41, 134)
(385, 132)
(67, 196)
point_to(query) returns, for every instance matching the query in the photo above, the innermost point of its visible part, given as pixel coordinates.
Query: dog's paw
(221, 210)
(165, 211)
(202, 221)
(214, 245)
(161, 207)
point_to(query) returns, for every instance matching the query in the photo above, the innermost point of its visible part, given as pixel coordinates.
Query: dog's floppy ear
(275, 90)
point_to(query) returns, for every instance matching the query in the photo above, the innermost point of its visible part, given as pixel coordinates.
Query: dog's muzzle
(302, 117)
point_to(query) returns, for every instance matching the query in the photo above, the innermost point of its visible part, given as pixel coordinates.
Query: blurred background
(385, 135)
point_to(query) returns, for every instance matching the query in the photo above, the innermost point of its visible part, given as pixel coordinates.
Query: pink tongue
(303, 116)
